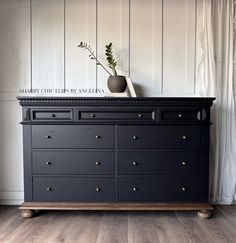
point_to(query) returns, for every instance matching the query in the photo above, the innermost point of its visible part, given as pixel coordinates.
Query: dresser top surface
(59, 100)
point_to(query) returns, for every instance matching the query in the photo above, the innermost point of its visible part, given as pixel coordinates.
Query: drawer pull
(53, 115)
(183, 163)
(184, 189)
(135, 137)
(48, 137)
(98, 163)
(98, 189)
(48, 163)
(184, 137)
(135, 163)
(140, 115)
(92, 115)
(98, 137)
(49, 189)
(135, 189)
(180, 115)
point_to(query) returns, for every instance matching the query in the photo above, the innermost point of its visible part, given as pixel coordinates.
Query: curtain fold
(217, 78)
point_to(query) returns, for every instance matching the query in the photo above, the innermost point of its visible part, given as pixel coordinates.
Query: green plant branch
(110, 59)
(92, 56)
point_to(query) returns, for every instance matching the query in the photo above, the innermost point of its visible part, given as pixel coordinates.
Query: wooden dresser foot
(27, 213)
(204, 214)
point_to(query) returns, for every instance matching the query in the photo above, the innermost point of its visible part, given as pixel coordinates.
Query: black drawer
(72, 136)
(159, 188)
(182, 114)
(158, 162)
(73, 189)
(159, 137)
(117, 115)
(52, 114)
(65, 162)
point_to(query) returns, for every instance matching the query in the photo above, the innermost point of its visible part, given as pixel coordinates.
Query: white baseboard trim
(11, 202)
(11, 197)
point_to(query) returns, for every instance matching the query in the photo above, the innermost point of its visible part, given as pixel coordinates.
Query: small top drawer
(182, 114)
(54, 114)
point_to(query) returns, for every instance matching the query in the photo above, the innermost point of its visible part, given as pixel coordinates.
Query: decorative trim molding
(25, 101)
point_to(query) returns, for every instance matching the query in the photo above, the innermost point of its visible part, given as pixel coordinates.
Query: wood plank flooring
(118, 227)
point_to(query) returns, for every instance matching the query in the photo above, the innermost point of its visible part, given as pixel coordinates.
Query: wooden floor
(117, 227)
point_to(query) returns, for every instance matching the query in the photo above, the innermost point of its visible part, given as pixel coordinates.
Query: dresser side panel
(27, 163)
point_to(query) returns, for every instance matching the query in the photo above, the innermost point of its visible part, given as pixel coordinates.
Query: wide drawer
(51, 114)
(73, 189)
(136, 116)
(72, 136)
(69, 162)
(158, 162)
(159, 137)
(159, 188)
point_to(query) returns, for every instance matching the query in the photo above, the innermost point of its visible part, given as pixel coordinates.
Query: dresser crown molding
(188, 101)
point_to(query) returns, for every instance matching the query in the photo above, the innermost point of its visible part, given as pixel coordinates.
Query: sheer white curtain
(216, 78)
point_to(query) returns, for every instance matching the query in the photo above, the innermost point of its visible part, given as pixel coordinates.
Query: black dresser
(116, 153)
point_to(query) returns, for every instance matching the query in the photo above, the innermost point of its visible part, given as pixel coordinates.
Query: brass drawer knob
(53, 115)
(98, 163)
(98, 137)
(98, 189)
(140, 115)
(180, 115)
(135, 137)
(184, 189)
(184, 137)
(92, 115)
(135, 189)
(49, 189)
(135, 163)
(48, 137)
(183, 163)
(48, 163)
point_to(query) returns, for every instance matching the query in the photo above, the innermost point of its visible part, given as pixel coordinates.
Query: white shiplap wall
(15, 72)
(154, 42)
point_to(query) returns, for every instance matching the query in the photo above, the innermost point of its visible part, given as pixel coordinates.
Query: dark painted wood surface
(76, 146)
(73, 162)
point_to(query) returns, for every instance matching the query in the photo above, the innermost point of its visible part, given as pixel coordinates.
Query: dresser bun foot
(204, 214)
(27, 213)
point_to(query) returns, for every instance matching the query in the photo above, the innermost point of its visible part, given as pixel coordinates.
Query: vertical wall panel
(11, 155)
(80, 16)
(179, 46)
(47, 43)
(113, 26)
(11, 166)
(14, 45)
(14, 75)
(146, 46)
